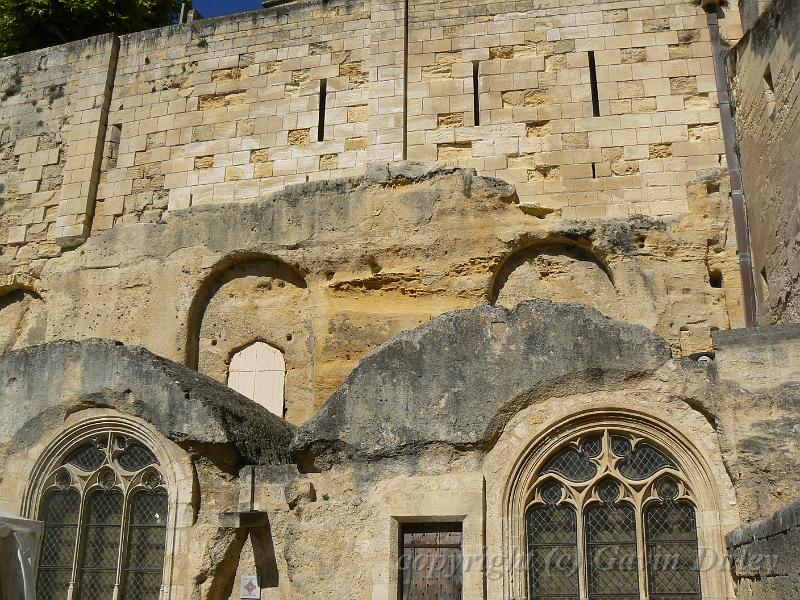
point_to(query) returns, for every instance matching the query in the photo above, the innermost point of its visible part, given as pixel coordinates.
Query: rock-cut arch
(553, 269)
(247, 299)
(23, 314)
(222, 274)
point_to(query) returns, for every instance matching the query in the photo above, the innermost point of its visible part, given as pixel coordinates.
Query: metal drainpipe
(734, 170)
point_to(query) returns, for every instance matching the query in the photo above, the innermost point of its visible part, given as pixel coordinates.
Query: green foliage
(32, 24)
(373, 265)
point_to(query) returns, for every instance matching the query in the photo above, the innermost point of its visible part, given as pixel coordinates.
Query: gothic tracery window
(609, 516)
(105, 519)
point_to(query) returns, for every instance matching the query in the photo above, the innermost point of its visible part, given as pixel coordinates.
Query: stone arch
(709, 492)
(258, 371)
(23, 314)
(174, 466)
(253, 298)
(554, 269)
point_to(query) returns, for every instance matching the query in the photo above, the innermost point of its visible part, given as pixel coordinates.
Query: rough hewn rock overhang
(458, 379)
(41, 385)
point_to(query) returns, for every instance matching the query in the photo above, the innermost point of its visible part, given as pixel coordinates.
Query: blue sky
(214, 8)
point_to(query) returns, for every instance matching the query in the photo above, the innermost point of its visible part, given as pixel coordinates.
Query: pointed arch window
(104, 510)
(258, 371)
(611, 515)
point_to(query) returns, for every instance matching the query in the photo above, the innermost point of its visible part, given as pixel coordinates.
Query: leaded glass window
(60, 514)
(552, 548)
(105, 514)
(611, 517)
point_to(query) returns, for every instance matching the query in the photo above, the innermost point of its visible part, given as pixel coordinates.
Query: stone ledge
(756, 336)
(784, 520)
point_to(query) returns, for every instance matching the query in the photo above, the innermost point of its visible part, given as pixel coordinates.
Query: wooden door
(430, 561)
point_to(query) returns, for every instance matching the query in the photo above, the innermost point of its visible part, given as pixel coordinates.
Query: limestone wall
(391, 449)
(192, 229)
(201, 432)
(766, 87)
(764, 556)
(638, 151)
(225, 110)
(370, 461)
(52, 117)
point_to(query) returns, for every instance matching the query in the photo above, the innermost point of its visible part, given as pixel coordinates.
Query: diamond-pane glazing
(101, 545)
(667, 489)
(146, 540)
(551, 493)
(60, 516)
(143, 586)
(99, 570)
(53, 584)
(552, 552)
(88, 457)
(608, 490)
(640, 462)
(136, 457)
(593, 446)
(572, 465)
(621, 446)
(98, 585)
(611, 555)
(672, 558)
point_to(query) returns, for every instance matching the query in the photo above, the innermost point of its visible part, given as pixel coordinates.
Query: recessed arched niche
(23, 320)
(554, 271)
(248, 312)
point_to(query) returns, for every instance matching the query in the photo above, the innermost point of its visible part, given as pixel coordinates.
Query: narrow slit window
(476, 92)
(323, 97)
(594, 170)
(768, 79)
(112, 148)
(593, 81)
(769, 91)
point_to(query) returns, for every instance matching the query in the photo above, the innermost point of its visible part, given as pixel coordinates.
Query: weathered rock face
(44, 384)
(431, 424)
(764, 81)
(327, 271)
(459, 379)
(204, 431)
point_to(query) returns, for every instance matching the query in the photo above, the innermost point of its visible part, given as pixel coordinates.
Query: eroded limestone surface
(327, 271)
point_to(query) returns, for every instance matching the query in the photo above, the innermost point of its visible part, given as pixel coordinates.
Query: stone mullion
(77, 554)
(123, 544)
(583, 577)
